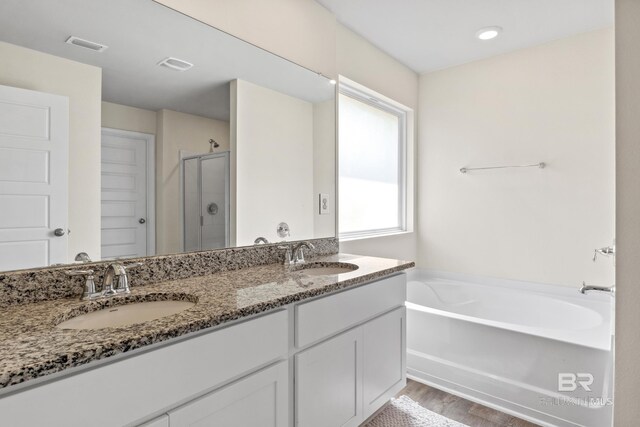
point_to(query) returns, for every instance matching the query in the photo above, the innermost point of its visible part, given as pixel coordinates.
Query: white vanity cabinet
(329, 361)
(344, 380)
(341, 381)
(133, 389)
(328, 386)
(261, 399)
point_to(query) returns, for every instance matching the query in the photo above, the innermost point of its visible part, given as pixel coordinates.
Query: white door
(34, 140)
(260, 400)
(125, 178)
(329, 382)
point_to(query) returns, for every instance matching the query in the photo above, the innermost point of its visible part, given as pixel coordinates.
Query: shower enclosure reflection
(205, 200)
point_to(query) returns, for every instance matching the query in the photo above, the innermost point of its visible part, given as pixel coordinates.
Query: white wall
(360, 61)
(627, 347)
(175, 132)
(324, 166)
(124, 117)
(82, 84)
(301, 31)
(552, 103)
(272, 158)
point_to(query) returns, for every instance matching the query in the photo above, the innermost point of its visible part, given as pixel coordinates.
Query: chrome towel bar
(540, 165)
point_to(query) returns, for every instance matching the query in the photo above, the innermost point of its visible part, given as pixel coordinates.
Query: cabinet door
(260, 400)
(329, 382)
(384, 359)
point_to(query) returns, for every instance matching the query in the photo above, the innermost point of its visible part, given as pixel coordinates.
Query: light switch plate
(323, 202)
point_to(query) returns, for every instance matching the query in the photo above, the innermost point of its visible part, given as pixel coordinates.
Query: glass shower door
(205, 192)
(214, 179)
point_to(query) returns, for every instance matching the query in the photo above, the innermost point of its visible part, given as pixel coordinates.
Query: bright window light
(372, 146)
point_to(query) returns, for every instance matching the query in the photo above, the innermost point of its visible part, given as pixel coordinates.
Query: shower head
(213, 144)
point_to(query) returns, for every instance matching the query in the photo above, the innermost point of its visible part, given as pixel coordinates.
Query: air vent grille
(175, 64)
(87, 44)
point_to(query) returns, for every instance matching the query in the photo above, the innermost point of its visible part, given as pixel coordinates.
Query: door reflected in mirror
(123, 136)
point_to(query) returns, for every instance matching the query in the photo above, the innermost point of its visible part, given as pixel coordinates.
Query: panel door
(124, 195)
(260, 400)
(384, 359)
(34, 140)
(329, 382)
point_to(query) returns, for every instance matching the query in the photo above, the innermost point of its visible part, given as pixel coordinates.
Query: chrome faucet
(585, 288)
(89, 283)
(607, 251)
(294, 254)
(260, 240)
(298, 255)
(288, 259)
(114, 270)
(83, 257)
(115, 281)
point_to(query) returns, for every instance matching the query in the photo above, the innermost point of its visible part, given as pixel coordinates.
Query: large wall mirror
(128, 129)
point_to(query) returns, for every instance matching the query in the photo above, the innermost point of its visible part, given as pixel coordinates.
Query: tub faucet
(585, 288)
(608, 251)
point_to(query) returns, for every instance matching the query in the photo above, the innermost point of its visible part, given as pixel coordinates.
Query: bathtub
(504, 344)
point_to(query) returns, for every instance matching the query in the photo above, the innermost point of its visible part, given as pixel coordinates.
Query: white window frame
(376, 100)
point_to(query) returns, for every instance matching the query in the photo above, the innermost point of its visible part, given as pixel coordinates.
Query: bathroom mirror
(128, 129)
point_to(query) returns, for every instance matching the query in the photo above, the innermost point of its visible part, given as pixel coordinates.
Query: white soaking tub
(504, 344)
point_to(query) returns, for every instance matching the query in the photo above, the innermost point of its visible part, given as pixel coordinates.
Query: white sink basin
(124, 315)
(327, 269)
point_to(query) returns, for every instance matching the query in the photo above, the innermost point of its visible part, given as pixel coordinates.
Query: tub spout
(585, 288)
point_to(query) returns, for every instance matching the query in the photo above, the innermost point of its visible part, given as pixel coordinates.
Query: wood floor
(459, 409)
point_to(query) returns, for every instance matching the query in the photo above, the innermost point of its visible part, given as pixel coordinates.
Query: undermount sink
(326, 268)
(124, 315)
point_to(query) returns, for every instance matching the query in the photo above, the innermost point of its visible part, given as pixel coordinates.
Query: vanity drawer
(327, 316)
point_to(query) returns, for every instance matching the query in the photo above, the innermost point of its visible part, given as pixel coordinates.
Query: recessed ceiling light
(488, 33)
(87, 44)
(175, 64)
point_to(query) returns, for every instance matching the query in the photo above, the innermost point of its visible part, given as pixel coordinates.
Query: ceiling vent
(175, 64)
(77, 41)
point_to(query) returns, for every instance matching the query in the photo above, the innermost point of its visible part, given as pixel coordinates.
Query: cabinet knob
(58, 232)
(142, 220)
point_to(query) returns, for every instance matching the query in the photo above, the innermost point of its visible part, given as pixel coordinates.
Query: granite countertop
(31, 346)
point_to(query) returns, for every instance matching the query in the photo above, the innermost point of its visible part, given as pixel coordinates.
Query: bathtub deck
(459, 409)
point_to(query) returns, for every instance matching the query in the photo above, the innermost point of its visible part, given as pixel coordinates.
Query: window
(372, 165)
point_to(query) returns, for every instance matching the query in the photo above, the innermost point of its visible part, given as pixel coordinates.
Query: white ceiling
(141, 33)
(428, 35)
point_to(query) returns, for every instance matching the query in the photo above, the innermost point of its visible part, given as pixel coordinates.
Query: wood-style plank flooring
(459, 409)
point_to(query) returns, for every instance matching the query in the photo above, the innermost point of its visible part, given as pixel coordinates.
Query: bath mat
(404, 412)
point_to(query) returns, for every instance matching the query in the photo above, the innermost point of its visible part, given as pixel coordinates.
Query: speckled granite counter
(31, 346)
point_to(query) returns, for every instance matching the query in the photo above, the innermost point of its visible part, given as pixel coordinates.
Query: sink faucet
(260, 240)
(298, 255)
(585, 288)
(115, 270)
(294, 254)
(110, 287)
